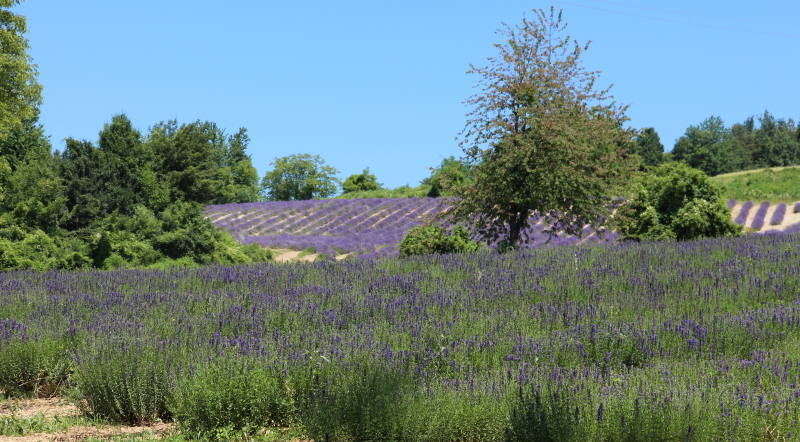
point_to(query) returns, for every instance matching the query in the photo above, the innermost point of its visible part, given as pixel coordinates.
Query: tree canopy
(649, 147)
(299, 177)
(363, 182)
(541, 138)
(20, 92)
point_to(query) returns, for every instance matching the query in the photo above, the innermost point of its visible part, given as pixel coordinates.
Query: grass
(777, 185)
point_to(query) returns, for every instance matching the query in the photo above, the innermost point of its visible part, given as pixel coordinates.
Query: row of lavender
(761, 213)
(659, 341)
(367, 227)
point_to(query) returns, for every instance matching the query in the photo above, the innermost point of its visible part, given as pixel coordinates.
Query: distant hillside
(373, 227)
(366, 227)
(776, 185)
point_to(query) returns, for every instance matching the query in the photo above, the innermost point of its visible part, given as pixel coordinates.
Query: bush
(675, 201)
(231, 396)
(433, 239)
(363, 182)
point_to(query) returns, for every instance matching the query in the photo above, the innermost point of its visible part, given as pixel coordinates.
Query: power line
(677, 21)
(699, 15)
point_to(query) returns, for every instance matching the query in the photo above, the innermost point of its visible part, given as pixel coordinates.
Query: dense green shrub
(231, 395)
(675, 201)
(434, 239)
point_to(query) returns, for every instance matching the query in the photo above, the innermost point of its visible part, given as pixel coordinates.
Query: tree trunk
(515, 226)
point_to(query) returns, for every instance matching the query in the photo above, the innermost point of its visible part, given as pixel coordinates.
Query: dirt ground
(31, 408)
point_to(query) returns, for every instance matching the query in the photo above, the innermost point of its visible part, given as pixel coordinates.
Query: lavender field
(366, 227)
(695, 341)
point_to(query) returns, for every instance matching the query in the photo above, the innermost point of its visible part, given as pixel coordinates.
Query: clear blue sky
(380, 84)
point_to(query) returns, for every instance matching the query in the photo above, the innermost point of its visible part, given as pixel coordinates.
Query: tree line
(540, 139)
(758, 142)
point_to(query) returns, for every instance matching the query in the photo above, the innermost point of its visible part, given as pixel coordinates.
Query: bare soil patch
(82, 432)
(34, 407)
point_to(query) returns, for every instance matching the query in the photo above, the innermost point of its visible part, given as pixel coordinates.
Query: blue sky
(381, 84)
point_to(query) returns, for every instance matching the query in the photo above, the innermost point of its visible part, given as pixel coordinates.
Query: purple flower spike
(777, 216)
(797, 208)
(742, 216)
(758, 220)
(731, 203)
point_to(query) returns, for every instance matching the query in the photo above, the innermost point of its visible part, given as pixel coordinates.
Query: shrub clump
(434, 239)
(675, 201)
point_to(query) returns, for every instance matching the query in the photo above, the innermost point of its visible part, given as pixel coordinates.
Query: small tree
(675, 201)
(541, 138)
(364, 181)
(299, 177)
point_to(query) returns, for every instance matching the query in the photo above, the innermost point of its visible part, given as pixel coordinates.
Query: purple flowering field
(777, 217)
(367, 227)
(698, 341)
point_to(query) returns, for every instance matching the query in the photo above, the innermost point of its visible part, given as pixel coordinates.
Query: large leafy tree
(299, 177)
(541, 137)
(20, 93)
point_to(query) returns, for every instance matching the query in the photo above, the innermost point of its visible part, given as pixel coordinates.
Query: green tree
(26, 141)
(708, 146)
(187, 160)
(450, 173)
(650, 148)
(20, 93)
(299, 177)
(364, 181)
(239, 176)
(775, 143)
(541, 137)
(675, 201)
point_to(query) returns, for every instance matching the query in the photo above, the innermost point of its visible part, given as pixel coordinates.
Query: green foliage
(239, 176)
(715, 149)
(451, 173)
(122, 383)
(405, 191)
(707, 146)
(257, 253)
(299, 177)
(363, 182)
(231, 396)
(33, 368)
(675, 201)
(20, 93)
(649, 147)
(434, 239)
(775, 186)
(541, 138)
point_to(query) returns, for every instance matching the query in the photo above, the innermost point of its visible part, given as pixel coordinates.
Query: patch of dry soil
(33, 407)
(81, 433)
(53, 407)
